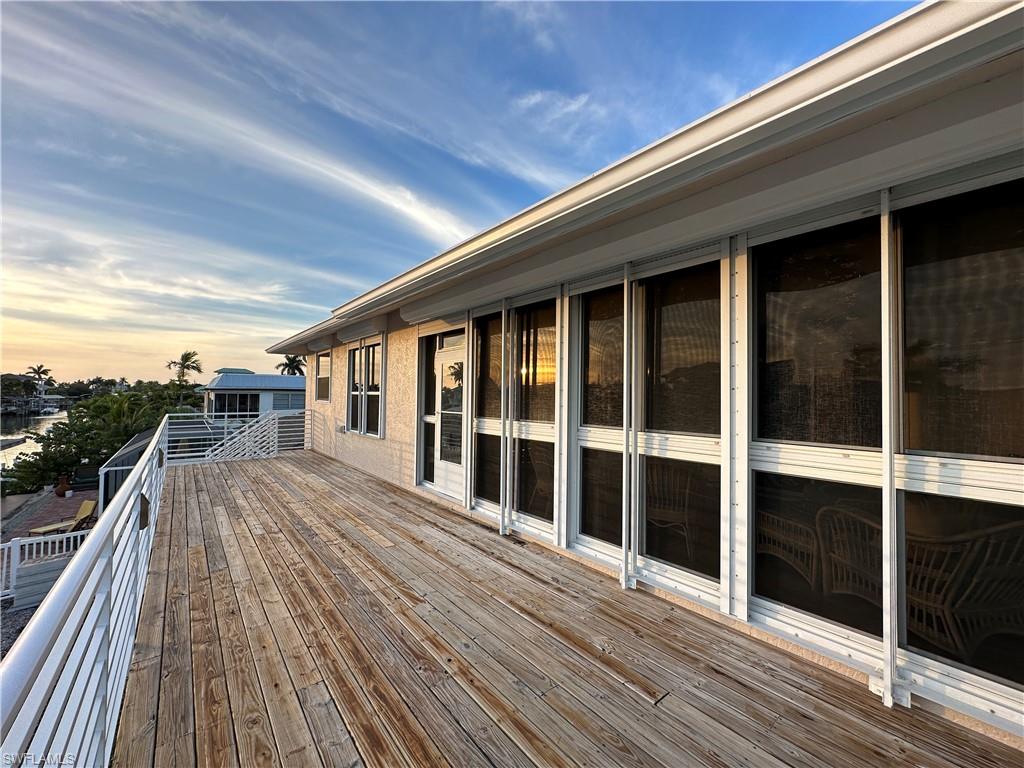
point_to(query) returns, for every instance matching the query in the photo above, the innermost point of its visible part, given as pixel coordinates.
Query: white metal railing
(202, 437)
(27, 548)
(62, 682)
(256, 439)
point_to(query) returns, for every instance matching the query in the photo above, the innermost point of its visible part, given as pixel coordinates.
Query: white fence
(62, 683)
(27, 548)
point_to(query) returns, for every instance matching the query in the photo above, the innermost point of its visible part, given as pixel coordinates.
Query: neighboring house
(240, 391)
(772, 363)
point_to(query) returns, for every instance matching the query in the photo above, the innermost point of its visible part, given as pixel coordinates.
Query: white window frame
(521, 429)
(358, 351)
(431, 332)
(325, 355)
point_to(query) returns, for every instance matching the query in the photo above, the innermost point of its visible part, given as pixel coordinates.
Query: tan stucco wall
(392, 457)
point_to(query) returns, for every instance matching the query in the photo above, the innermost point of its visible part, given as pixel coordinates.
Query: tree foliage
(94, 431)
(188, 363)
(13, 385)
(292, 365)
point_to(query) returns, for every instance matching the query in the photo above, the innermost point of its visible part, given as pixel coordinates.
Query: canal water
(18, 426)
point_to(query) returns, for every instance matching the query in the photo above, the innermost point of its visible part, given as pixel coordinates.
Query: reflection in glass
(683, 349)
(535, 474)
(819, 338)
(451, 437)
(372, 367)
(428, 452)
(818, 548)
(428, 376)
(964, 595)
(373, 414)
(535, 362)
(601, 374)
(487, 466)
(371, 371)
(601, 495)
(488, 356)
(451, 386)
(451, 340)
(963, 295)
(353, 386)
(682, 514)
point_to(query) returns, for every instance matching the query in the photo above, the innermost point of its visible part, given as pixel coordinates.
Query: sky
(220, 176)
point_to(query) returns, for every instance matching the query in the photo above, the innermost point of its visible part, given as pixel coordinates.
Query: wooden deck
(299, 612)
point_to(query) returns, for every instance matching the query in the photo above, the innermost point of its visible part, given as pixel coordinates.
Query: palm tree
(42, 376)
(292, 365)
(39, 372)
(184, 365)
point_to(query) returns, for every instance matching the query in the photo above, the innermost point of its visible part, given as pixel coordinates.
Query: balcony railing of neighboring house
(27, 549)
(62, 683)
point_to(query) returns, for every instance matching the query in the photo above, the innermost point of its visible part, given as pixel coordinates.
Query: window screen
(488, 357)
(428, 452)
(535, 473)
(963, 315)
(601, 375)
(354, 390)
(964, 575)
(535, 362)
(372, 374)
(682, 514)
(487, 468)
(683, 350)
(289, 401)
(819, 341)
(601, 495)
(818, 548)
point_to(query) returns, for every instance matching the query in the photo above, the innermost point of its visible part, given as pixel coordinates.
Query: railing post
(15, 560)
(102, 494)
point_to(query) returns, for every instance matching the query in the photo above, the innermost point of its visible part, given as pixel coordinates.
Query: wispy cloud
(61, 68)
(387, 91)
(539, 20)
(65, 149)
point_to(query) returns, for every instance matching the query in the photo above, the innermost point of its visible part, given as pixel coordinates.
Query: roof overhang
(924, 46)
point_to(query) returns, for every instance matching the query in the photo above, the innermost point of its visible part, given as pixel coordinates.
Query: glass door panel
(448, 375)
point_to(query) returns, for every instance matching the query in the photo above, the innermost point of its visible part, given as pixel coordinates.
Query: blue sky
(219, 176)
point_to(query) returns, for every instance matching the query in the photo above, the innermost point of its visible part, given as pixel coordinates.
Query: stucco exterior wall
(391, 457)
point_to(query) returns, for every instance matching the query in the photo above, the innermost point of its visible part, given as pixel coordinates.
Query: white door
(448, 448)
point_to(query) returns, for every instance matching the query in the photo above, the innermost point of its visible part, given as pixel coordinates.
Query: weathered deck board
(301, 612)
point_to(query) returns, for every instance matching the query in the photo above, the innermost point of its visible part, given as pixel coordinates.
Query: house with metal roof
(241, 392)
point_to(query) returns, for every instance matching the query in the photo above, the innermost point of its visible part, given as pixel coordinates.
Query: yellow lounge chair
(71, 524)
